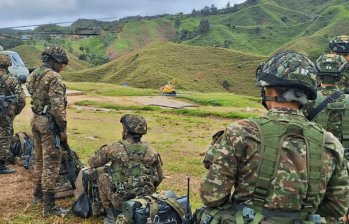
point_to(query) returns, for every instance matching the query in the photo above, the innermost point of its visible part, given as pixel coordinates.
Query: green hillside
(202, 69)
(32, 58)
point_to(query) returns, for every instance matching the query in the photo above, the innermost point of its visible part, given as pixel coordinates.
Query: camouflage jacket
(48, 89)
(344, 83)
(232, 161)
(14, 88)
(116, 153)
(334, 123)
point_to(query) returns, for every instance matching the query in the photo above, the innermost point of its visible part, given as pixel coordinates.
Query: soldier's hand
(63, 136)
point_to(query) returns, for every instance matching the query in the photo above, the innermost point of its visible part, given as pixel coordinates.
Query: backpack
(69, 170)
(22, 150)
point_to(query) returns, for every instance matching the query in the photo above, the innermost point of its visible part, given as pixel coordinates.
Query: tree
(213, 10)
(177, 22)
(194, 13)
(228, 5)
(205, 11)
(204, 26)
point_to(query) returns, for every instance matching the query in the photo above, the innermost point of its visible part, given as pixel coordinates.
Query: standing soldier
(284, 168)
(340, 45)
(12, 102)
(136, 167)
(48, 96)
(331, 107)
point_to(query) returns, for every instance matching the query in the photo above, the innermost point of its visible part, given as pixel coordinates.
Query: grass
(186, 112)
(194, 69)
(110, 89)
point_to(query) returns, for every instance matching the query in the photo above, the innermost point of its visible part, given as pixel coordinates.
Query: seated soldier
(136, 167)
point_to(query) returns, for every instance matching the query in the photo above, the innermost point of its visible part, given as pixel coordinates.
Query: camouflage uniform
(12, 87)
(47, 89)
(333, 117)
(340, 45)
(136, 167)
(334, 122)
(117, 154)
(279, 173)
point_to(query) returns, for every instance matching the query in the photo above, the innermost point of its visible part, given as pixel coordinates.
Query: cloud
(27, 12)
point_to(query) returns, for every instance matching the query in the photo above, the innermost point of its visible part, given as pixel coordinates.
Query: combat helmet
(340, 44)
(56, 52)
(289, 70)
(134, 124)
(5, 60)
(331, 67)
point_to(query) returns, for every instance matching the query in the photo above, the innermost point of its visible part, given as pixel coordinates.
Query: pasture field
(181, 139)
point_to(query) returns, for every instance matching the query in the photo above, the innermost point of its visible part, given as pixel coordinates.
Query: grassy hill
(32, 58)
(202, 69)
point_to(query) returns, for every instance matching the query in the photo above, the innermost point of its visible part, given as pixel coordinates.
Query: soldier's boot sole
(55, 211)
(7, 171)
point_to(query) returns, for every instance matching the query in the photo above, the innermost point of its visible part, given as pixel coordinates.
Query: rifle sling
(323, 104)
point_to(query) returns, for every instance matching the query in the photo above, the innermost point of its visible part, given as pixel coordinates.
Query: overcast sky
(15, 13)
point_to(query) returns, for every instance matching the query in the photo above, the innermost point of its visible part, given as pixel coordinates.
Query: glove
(63, 136)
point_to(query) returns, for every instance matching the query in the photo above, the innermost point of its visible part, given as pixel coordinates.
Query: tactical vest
(341, 108)
(39, 100)
(272, 136)
(134, 176)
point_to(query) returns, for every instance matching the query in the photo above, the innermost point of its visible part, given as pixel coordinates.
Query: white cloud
(28, 12)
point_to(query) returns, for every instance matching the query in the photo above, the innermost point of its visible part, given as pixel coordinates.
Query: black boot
(38, 196)
(4, 169)
(112, 214)
(50, 207)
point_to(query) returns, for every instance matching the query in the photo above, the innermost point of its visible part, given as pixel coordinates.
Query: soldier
(331, 115)
(48, 96)
(284, 168)
(12, 102)
(340, 45)
(136, 167)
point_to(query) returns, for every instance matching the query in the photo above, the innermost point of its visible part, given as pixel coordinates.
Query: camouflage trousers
(6, 133)
(107, 193)
(47, 156)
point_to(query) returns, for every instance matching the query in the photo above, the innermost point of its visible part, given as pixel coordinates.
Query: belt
(271, 213)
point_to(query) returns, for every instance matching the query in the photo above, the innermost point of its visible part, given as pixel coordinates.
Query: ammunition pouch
(241, 214)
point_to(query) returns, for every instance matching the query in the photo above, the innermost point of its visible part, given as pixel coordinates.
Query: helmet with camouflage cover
(340, 44)
(134, 124)
(289, 70)
(56, 52)
(331, 66)
(5, 60)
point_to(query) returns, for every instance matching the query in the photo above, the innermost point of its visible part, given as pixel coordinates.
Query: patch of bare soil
(16, 189)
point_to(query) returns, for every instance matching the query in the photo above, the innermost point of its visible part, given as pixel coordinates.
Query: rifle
(187, 218)
(71, 164)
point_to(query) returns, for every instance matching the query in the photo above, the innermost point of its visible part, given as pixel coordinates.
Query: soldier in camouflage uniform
(333, 117)
(48, 95)
(340, 45)
(136, 167)
(284, 169)
(12, 102)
